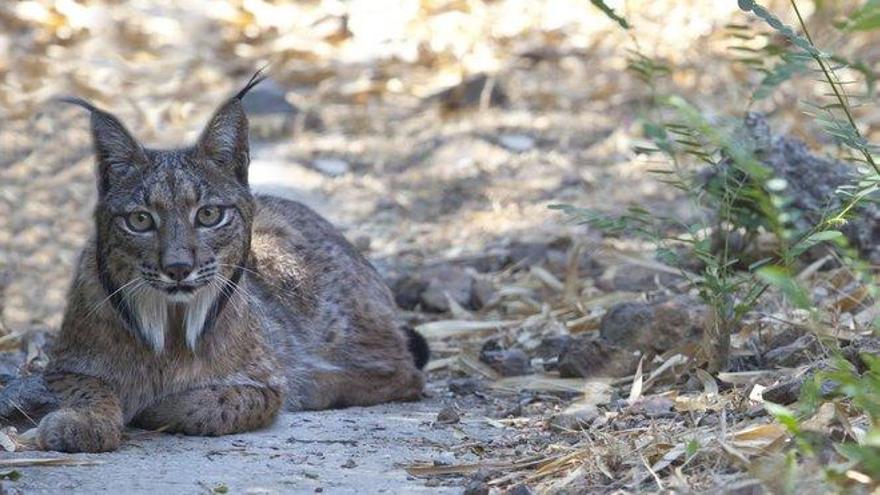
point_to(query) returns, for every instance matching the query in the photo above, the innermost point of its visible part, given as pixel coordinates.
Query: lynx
(198, 307)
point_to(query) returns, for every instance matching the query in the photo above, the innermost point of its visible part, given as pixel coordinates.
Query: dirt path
(356, 450)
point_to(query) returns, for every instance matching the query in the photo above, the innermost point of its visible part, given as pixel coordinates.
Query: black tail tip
(418, 347)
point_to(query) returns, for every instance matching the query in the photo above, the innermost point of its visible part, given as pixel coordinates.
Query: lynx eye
(139, 221)
(209, 216)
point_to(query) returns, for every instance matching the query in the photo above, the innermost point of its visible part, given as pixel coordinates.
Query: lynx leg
(90, 417)
(355, 387)
(215, 410)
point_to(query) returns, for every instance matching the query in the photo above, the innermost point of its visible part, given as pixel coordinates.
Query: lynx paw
(67, 430)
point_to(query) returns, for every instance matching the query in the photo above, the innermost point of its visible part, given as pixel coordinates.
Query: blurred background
(427, 129)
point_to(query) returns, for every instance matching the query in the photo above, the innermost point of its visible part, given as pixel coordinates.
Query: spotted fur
(209, 330)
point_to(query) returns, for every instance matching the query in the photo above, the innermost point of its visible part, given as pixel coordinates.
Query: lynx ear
(225, 139)
(118, 152)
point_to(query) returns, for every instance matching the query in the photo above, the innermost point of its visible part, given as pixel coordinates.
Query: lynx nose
(178, 271)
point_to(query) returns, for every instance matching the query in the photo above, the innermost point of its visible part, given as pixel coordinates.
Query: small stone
(635, 278)
(464, 386)
(483, 293)
(349, 464)
(408, 291)
(448, 415)
(655, 327)
(652, 406)
(586, 358)
(445, 459)
(443, 280)
(476, 487)
(520, 490)
(334, 167)
(575, 417)
(362, 243)
(801, 350)
(470, 93)
(509, 362)
(517, 142)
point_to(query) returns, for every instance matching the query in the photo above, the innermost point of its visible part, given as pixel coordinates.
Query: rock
(809, 184)
(550, 348)
(527, 254)
(801, 350)
(482, 293)
(512, 362)
(476, 487)
(362, 243)
(575, 417)
(507, 362)
(655, 327)
(349, 464)
(408, 291)
(448, 415)
(443, 280)
(26, 396)
(470, 93)
(517, 142)
(788, 391)
(520, 490)
(334, 167)
(586, 358)
(464, 386)
(269, 113)
(652, 406)
(635, 278)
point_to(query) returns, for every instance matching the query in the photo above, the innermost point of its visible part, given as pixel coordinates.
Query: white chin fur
(152, 310)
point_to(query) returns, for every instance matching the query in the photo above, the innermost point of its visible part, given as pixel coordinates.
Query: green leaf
(610, 13)
(10, 475)
(785, 417)
(780, 278)
(805, 245)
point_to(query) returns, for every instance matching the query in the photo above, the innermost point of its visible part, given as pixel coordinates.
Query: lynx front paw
(67, 430)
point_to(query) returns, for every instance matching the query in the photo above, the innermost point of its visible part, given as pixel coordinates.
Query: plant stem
(834, 88)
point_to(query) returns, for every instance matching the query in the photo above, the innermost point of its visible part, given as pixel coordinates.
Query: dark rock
(470, 93)
(429, 287)
(575, 417)
(551, 348)
(804, 349)
(528, 253)
(508, 362)
(655, 327)
(810, 186)
(587, 358)
(26, 397)
(476, 487)
(482, 293)
(653, 406)
(635, 278)
(520, 490)
(270, 115)
(464, 386)
(408, 291)
(789, 390)
(448, 415)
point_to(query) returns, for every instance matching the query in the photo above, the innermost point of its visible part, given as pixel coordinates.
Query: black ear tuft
(255, 79)
(118, 152)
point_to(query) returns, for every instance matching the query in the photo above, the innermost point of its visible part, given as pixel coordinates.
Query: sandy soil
(356, 450)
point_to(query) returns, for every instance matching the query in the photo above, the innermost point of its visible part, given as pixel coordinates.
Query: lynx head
(173, 226)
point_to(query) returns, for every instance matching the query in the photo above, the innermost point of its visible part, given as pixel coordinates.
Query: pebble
(517, 142)
(334, 167)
